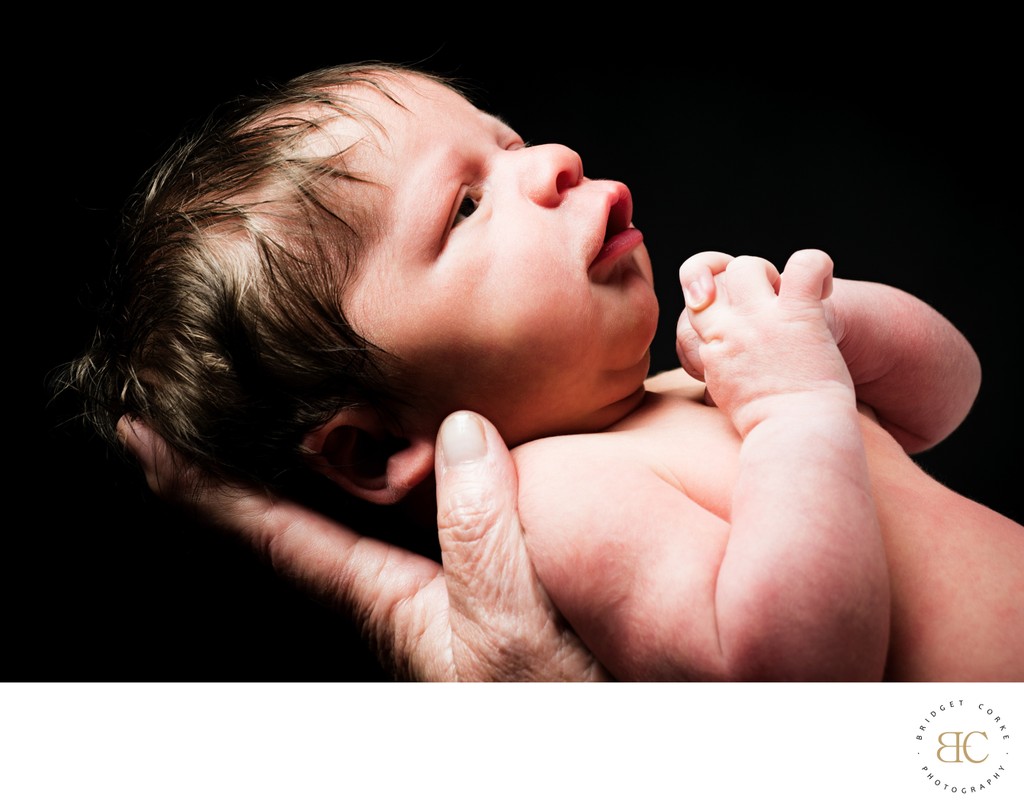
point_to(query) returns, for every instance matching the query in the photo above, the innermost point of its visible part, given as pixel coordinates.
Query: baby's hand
(759, 340)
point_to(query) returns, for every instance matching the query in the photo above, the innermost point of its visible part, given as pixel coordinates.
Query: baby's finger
(688, 344)
(808, 274)
(749, 278)
(696, 276)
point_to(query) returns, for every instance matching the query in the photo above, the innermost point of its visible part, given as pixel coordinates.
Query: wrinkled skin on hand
(480, 615)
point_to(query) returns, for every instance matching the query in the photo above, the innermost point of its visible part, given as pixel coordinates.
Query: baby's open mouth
(620, 239)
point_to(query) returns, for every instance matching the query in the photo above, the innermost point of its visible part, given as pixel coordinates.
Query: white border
(478, 745)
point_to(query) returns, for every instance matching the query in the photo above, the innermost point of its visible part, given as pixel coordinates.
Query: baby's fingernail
(697, 293)
(462, 439)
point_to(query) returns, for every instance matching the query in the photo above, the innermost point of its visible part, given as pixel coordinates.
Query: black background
(896, 154)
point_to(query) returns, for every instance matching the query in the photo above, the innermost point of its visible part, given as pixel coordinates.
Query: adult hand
(480, 615)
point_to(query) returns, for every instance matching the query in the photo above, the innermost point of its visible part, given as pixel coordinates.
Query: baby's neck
(595, 420)
(420, 504)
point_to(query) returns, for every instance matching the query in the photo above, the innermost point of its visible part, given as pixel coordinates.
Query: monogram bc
(966, 746)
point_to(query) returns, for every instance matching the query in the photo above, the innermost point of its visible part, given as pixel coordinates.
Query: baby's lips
(620, 216)
(612, 251)
(618, 236)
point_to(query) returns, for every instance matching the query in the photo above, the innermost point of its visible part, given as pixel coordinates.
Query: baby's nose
(549, 171)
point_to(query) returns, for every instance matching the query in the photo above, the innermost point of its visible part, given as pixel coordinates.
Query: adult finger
(166, 474)
(390, 592)
(504, 625)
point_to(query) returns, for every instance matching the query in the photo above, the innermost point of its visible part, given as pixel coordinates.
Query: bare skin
(955, 567)
(781, 534)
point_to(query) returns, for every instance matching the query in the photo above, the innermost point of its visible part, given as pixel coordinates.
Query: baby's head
(320, 280)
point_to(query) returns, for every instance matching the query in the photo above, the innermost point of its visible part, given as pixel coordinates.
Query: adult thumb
(503, 624)
(481, 537)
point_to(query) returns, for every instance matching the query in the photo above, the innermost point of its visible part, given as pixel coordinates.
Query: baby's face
(507, 282)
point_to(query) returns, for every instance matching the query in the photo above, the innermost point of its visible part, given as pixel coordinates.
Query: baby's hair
(222, 327)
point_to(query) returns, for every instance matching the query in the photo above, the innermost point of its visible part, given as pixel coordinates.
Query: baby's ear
(357, 451)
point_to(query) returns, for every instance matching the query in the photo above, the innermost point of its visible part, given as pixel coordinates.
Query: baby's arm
(908, 362)
(803, 589)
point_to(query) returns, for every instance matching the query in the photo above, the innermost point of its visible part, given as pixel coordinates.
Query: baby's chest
(692, 447)
(670, 456)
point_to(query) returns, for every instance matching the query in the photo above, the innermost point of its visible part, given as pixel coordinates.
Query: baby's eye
(467, 207)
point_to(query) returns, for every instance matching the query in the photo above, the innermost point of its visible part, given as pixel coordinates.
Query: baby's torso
(594, 508)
